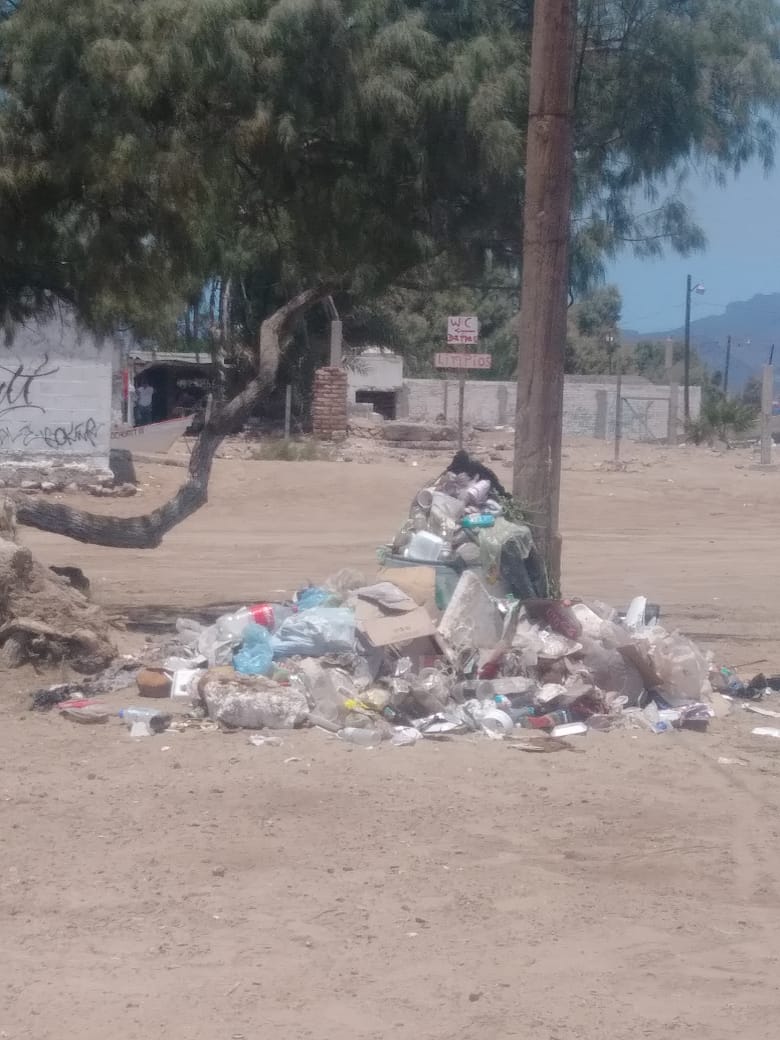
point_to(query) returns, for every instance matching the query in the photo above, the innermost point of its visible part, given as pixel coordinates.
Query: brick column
(329, 406)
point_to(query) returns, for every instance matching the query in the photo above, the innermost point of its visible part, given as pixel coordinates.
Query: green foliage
(150, 148)
(721, 419)
(751, 392)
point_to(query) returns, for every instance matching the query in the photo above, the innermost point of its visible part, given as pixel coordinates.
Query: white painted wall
(55, 396)
(375, 371)
(588, 405)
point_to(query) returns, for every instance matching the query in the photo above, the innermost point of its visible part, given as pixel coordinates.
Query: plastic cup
(497, 721)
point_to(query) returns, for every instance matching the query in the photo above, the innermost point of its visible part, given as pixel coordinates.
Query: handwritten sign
(462, 330)
(462, 361)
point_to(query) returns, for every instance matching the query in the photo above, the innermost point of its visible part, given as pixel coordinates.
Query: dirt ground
(194, 887)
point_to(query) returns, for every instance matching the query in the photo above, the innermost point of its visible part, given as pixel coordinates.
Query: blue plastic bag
(317, 631)
(256, 655)
(312, 596)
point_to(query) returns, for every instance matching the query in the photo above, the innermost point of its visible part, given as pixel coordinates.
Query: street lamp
(689, 289)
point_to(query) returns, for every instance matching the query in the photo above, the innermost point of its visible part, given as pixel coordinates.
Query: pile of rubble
(456, 634)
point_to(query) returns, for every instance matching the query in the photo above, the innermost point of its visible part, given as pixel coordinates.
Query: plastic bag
(253, 703)
(256, 654)
(328, 689)
(681, 666)
(314, 632)
(310, 597)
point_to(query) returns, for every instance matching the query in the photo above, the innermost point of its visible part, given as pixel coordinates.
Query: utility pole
(726, 367)
(544, 292)
(689, 289)
(687, 353)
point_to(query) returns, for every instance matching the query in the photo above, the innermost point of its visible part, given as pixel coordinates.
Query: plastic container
(137, 714)
(232, 626)
(569, 729)
(476, 494)
(516, 689)
(477, 520)
(496, 721)
(270, 615)
(144, 719)
(425, 546)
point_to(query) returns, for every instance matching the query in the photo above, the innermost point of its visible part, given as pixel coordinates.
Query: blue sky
(742, 258)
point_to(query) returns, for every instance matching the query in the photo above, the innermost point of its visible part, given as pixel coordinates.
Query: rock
(75, 577)
(30, 485)
(126, 490)
(120, 462)
(49, 486)
(401, 432)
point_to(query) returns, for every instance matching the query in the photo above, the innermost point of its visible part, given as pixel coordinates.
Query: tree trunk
(542, 332)
(147, 532)
(220, 339)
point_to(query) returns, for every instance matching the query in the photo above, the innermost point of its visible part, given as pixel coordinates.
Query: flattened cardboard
(392, 629)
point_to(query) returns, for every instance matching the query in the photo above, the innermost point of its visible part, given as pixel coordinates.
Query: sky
(742, 258)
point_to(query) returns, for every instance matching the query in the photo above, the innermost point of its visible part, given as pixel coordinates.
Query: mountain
(754, 326)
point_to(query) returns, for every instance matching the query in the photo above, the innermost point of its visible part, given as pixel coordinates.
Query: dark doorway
(382, 401)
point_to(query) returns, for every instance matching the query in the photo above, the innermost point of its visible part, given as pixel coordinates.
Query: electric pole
(687, 354)
(726, 369)
(545, 280)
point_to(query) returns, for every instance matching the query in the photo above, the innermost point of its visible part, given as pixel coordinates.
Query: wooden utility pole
(767, 396)
(687, 352)
(542, 333)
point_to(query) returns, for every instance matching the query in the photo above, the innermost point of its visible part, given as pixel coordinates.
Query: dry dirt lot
(194, 887)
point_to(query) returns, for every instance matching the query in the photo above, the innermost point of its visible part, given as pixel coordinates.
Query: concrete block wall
(55, 402)
(588, 405)
(329, 404)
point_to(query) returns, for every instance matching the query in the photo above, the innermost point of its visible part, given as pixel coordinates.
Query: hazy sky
(742, 258)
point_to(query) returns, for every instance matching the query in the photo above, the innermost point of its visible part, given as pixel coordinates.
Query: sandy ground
(198, 888)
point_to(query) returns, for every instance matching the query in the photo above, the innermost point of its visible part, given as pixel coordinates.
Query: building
(376, 378)
(55, 401)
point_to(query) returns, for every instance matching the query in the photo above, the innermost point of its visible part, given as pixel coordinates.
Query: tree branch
(148, 531)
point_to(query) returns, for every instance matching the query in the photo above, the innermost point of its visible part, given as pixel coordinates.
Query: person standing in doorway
(145, 396)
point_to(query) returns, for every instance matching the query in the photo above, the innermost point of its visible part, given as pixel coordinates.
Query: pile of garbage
(372, 663)
(456, 634)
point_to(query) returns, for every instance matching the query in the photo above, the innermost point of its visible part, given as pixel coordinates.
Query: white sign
(452, 360)
(463, 330)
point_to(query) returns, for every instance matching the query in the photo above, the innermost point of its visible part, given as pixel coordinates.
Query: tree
(291, 146)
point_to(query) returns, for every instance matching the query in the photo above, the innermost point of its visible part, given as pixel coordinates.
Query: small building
(181, 380)
(55, 401)
(376, 378)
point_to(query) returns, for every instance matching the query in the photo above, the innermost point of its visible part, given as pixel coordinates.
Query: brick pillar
(329, 406)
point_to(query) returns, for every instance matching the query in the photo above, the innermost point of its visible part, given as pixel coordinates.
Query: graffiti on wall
(25, 424)
(17, 383)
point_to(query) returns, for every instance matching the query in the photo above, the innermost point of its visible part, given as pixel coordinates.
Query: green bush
(720, 419)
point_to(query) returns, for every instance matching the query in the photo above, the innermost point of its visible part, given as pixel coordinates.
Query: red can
(263, 613)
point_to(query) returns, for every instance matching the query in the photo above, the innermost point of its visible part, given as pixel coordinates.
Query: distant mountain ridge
(756, 320)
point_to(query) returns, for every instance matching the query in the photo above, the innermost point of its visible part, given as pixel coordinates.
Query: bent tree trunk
(147, 532)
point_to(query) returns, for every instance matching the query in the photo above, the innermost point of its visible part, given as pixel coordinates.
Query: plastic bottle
(231, 626)
(153, 721)
(478, 520)
(137, 714)
(362, 737)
